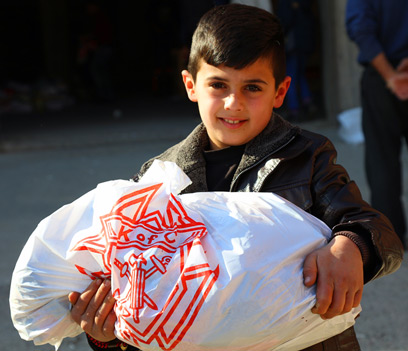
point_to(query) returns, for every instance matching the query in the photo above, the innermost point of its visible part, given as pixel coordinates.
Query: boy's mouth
(232, 123)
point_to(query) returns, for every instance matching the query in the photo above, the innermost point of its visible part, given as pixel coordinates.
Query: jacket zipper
(258, 162)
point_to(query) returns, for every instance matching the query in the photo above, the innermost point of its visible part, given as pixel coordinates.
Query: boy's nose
(233, 102)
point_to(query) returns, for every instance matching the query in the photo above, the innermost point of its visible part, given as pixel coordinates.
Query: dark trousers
(385, 124)
(346, 341)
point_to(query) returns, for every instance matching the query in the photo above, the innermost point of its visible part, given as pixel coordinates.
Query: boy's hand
(337, 269)
(93, 310)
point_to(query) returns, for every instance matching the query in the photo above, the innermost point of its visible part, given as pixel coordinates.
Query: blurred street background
(89, 90)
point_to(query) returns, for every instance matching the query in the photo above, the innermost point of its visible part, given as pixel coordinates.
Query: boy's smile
(235, 105)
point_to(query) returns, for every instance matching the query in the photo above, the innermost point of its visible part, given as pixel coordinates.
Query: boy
(236, 74)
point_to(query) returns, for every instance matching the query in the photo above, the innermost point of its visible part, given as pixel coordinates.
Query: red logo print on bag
(138, 243)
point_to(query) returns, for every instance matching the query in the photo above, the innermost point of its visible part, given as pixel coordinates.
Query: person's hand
(337, 269)
(398, 84)
(93, 310)
(403, 65)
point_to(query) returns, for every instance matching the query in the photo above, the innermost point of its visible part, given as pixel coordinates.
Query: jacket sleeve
(338, 203)
(362, 28)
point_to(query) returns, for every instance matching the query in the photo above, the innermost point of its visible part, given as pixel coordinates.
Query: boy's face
(235, 105)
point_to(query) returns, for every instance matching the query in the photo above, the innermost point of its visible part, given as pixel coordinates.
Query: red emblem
(145, 233)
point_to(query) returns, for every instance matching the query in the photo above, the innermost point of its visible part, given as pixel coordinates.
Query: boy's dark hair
(237, 35)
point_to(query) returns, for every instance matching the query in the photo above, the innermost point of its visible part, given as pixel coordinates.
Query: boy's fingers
(357, 297)
(337, 305)
(104, 310)
(348, 303)
(100, 294)
(310, 270)
(95, 303)
(93, 310)
(83, 300)
(324, 296)
(73, 297)
(109, 325)
(342, 303)
(98, 320)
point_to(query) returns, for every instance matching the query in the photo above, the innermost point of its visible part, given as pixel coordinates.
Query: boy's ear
(189, 85)
(281, 92)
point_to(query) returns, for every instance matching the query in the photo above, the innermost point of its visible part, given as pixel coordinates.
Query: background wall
(341, 73)
(41, 40)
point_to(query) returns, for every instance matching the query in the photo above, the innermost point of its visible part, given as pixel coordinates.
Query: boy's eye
(253, 88)
(217, 85)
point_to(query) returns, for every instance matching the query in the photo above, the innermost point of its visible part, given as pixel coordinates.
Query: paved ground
(48, 160)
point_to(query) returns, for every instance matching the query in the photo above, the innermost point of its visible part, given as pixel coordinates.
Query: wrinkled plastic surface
(202, 271)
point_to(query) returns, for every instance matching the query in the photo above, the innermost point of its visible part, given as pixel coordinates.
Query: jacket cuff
(361, 243)
(113, 345)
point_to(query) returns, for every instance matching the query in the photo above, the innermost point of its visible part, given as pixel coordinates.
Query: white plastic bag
(350, 130)
(202, 271)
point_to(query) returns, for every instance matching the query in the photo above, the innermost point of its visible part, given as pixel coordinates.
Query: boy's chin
(220, 146)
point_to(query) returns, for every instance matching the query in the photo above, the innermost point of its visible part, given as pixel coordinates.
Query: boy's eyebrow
(258, 80)
(217, 78)
(255, 80)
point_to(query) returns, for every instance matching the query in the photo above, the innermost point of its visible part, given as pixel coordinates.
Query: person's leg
(382, 132)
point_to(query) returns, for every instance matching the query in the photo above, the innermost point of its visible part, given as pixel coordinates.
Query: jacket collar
(277, 134)
(189, 153)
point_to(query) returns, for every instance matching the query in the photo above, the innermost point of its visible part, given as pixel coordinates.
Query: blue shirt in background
(378, 26)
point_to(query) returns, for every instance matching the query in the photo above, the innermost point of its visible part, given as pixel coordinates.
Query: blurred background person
(380, 30)
(297, 20)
